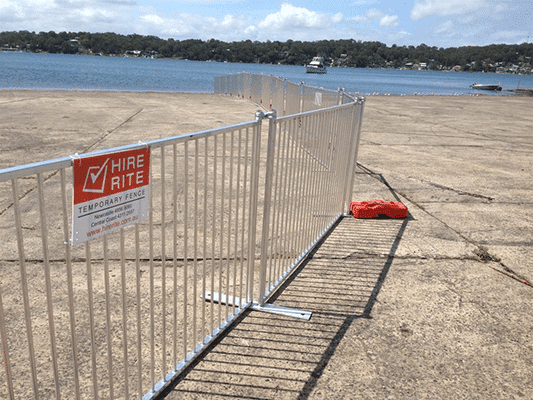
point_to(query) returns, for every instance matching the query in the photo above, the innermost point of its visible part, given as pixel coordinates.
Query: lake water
(76, 72)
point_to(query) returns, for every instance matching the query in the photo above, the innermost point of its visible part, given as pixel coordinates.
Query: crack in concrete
(481, 251)
(21, 100)
(460, 192)
(86, 150)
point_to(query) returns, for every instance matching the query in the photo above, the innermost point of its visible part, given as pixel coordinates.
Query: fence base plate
(270, 308)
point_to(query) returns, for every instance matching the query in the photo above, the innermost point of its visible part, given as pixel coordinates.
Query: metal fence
(232, 212)
(286, 97)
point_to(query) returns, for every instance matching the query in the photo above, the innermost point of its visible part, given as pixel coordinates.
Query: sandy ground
(433, 306)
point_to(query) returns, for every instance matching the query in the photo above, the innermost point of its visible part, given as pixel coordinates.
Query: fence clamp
(259, 115)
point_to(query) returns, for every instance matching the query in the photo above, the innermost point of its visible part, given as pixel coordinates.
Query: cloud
(507, 36)
(389, 21)
(444, 22)
(373, 15)
(445, 27)
(228, 27)
(426, 8)
(293, 18)
(65, 15)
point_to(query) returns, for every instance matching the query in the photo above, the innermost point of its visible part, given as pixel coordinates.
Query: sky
(441, 23)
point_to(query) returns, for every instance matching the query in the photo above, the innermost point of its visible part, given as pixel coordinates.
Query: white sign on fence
(111, 191)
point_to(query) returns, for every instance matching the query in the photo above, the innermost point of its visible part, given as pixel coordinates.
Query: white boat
(481, 86)
(316, 66)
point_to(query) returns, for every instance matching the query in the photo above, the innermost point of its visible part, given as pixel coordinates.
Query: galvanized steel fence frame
(233, 211)
(286, 97)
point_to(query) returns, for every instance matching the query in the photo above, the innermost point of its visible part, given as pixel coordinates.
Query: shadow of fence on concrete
(265, 356)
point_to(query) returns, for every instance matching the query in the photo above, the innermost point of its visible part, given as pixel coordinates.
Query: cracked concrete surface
(436, 306)
(433, 307)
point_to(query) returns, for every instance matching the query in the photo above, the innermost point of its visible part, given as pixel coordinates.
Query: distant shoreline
(217, 61)
(512, 58)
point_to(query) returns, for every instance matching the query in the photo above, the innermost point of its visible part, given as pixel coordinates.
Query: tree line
(344, 52)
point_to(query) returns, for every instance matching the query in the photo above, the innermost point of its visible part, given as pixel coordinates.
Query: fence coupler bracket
(270, 114)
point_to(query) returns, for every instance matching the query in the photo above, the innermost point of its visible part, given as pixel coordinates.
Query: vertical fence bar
(48, 283)
(230, 210)
(195, 248)
(277, 199)
(267, 203)
(25, 296)
(213, 233)
(236, 240)
(108, 318)
(163, 270)
(68, 259)
(152, 289)
(91, 317)
(185, 244)
(222, 204)
(256, 147)
(243, 247)
(139, 315)
(204, 244)
(175, 254)
(124, 314)
(5, 349)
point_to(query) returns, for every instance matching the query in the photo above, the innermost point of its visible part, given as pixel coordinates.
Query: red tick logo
(95, 179)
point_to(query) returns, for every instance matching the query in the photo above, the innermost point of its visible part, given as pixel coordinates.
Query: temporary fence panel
(285, 97)
(330, 98)
(247, 84)
(234, 85)
(219, 84)
(278, 95)
(266, 91)
(256, 88)
(121, 315)
(293, 98)
(230, 85)
(240, 82)
(311, 156)
(317, 98)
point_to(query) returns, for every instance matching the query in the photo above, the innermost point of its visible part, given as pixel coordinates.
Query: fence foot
(221, 298)
(286, 311)
(270, 308)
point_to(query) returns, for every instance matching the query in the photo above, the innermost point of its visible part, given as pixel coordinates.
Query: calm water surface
(76, 72)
